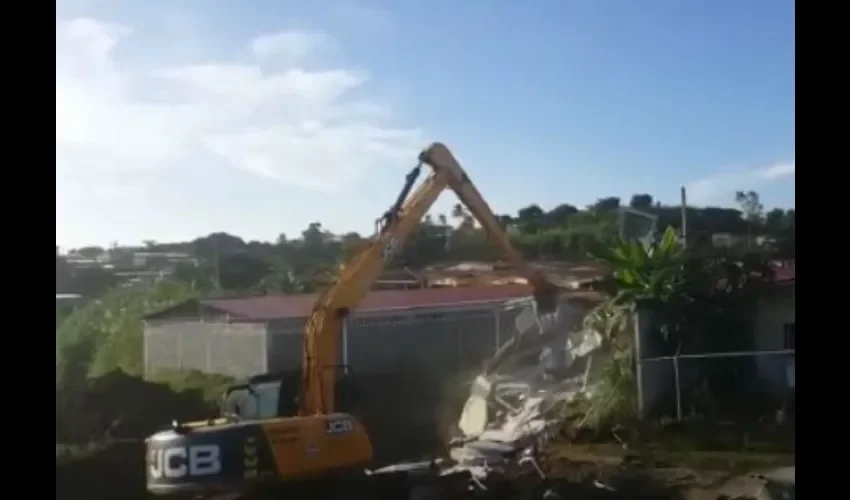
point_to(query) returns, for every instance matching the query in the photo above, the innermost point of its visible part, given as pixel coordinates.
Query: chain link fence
(712, 384)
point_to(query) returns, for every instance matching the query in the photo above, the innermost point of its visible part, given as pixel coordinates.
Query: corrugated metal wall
(376, 342)
(236, 349)
(387, 341)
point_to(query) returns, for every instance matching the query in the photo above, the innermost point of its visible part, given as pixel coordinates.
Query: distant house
(565, 274)
(400, 279)
(390, 279)
(66, 301)
(162, 259)
(730, 240)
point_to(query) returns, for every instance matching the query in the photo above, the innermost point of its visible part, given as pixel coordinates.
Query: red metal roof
(272, 307)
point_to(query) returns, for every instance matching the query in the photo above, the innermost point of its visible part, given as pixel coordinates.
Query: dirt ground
(406, 428)
(594, 473)
(575, 472)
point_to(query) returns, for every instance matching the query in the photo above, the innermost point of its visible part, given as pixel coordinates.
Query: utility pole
(684, 196)
(216, 272)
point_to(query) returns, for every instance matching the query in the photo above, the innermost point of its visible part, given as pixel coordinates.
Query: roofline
(467, 304)
(156, 314)
(443, 306)
(504, 303)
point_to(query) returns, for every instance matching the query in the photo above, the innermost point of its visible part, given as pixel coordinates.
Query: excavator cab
(273, 395)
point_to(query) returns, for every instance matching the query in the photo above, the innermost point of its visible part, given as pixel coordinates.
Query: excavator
(263, 438)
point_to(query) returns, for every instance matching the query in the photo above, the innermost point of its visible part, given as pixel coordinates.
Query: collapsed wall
(546, 363)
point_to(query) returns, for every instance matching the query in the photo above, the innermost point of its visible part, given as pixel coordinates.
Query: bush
(114, 325)
(210, 385)
(120, 406)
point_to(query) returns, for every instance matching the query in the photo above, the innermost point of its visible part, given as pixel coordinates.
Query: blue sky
(179, 118)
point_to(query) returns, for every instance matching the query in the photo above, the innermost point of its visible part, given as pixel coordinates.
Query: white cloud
(291, 46)
(778, 171)
(720, 187)
(303, 127)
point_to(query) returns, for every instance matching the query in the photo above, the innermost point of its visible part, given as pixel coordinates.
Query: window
(262, 403)
(788, 336)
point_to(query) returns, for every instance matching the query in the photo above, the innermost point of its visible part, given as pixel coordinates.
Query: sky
(178, 118)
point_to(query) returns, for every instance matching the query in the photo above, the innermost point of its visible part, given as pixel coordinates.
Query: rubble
(511, 412)
(513, 406)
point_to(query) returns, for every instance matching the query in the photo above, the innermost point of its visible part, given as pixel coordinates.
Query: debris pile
(511, 413)
(512, 408)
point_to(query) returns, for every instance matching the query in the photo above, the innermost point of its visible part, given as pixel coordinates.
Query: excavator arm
(441, 159)
(324, 324)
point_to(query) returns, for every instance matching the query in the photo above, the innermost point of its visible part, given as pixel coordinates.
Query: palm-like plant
(640, 274)
(643, 273)
(705, 298)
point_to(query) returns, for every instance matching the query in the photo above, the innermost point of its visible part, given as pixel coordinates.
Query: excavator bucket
(545, 295)
(545, 305)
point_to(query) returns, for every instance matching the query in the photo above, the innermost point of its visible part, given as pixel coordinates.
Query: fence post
(677, 387)
(180, 350)
(345, 359)
(497, 313)
(208, 337)
(636, 320)
(145, 350)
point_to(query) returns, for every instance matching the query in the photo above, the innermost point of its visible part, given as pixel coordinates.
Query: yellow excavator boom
(324, 325)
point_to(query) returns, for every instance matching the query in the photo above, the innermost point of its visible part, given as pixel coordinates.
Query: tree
(530, 218)
(561, 214)
(113, 325)
(91, 281)
(64, 275)
(777, 220)
(91, 252)
(281, 281)
(753, 212)
(216, 244)
(240, 270)
(465, 220)
(202, 278)
(227, 262)
(641, 201)
(608, 204)
(751, 206)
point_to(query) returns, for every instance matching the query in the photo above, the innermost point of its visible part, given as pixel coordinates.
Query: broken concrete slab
(511, 406)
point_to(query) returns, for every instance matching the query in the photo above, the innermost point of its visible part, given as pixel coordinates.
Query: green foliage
(699, 303)
(118, 405)
(230, 265)
(106, 334)
(642, 273)
(614, 398)
(211, 386)
(113, 324)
